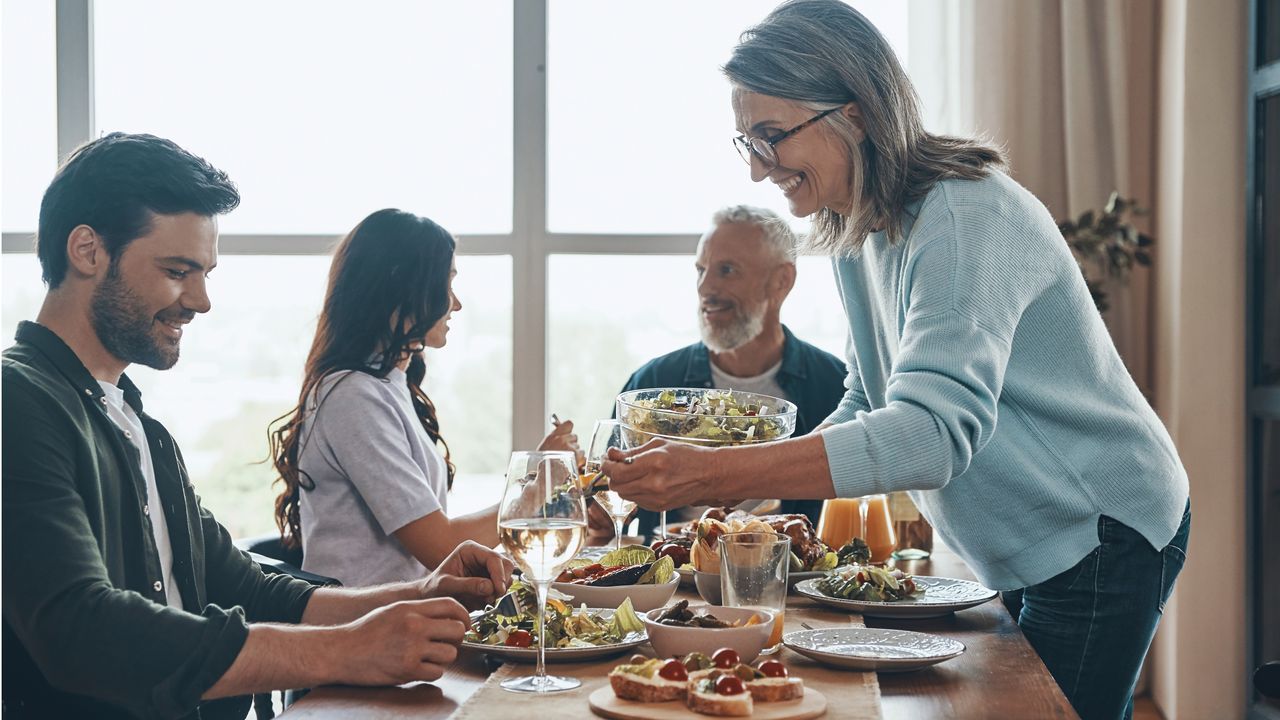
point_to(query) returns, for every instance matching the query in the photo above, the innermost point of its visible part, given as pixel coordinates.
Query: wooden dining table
(999, 674)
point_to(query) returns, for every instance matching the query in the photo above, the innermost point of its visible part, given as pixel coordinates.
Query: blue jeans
(1092, 624)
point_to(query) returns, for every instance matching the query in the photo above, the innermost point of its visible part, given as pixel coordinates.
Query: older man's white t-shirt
(369, 468)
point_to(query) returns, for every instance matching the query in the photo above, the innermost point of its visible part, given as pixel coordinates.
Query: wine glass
(607, 434)
(542, 522)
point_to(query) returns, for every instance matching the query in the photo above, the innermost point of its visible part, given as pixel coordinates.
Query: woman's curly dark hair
(388, 285)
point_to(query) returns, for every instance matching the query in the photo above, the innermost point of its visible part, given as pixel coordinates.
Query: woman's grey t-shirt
(373, 470)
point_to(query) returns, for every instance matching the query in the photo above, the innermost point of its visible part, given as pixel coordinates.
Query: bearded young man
(746, 268)
(123, 597)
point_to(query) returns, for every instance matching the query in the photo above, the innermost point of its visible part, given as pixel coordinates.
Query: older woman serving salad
(964, 307)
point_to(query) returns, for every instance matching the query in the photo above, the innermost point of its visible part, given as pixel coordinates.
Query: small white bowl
(708, 585)
(677, 641)
(643, 597)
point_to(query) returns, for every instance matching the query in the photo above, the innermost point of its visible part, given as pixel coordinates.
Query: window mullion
(74, 39)
(529, 225)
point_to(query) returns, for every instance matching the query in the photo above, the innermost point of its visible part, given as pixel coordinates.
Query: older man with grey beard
(745, 270)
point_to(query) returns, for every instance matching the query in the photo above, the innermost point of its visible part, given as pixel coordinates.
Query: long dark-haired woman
(981, 378)
(365, 479)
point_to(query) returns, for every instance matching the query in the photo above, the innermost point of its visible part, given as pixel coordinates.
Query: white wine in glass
(607, 434)
(542, 547)
(542, 522)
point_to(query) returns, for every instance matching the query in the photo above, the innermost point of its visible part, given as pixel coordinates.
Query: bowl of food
(679, 629)
(705, 416)
(810, 556)
(633, 571)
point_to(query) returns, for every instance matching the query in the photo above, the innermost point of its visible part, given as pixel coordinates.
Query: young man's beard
(125, 328)
(744, 327)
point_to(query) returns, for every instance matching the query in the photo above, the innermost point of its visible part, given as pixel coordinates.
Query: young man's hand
(402, 642)
(472, 574)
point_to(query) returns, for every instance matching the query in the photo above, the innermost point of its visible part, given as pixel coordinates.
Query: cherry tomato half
(519, 638)
(725, 658)
(772, 668)
(729, 685)
(673, 670)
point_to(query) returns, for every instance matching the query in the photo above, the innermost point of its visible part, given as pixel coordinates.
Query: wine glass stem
(617, 533)
(863, 506)
(662, 524)
(540, 674)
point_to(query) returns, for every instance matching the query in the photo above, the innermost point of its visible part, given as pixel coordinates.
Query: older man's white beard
(745, 327)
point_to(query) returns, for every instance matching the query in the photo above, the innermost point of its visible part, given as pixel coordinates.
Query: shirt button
(128, 434)
(103, 399)
(88, 392)
(146, 509)
(158, 586)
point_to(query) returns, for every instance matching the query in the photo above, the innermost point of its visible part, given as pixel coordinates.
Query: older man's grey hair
(776, 233)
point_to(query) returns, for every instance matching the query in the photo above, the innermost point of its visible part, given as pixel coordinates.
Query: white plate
(529, 655)
(942, 596)
(878, 649)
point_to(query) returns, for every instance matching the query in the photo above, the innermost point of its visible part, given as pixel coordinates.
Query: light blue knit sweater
(983, 380)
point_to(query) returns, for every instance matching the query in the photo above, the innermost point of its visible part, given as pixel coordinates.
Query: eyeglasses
(766, 150)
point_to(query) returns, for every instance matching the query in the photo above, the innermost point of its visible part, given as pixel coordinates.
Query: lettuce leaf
(629, 555)
(658, 573)
(828, 561)
(625, 620)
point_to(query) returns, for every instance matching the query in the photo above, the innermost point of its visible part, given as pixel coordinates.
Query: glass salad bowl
(704, 416)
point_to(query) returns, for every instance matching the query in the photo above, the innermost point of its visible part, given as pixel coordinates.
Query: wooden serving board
(605, 704)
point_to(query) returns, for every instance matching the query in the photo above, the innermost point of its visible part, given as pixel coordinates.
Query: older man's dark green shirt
(87, 632)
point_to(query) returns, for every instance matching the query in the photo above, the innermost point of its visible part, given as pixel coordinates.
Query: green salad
(869, 583)
(566, 626)
(711, 415)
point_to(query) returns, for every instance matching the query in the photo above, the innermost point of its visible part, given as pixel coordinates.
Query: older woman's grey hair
(823, 54)
(776, 233)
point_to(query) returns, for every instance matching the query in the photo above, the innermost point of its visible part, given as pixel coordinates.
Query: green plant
(1106, 245)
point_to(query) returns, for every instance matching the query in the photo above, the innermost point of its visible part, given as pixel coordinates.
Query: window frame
(529, 243)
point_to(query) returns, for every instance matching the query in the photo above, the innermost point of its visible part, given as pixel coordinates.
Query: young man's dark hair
(115, 185)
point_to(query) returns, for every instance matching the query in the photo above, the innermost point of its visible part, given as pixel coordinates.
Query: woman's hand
(662, 475)
(472, 574)
(562, 437)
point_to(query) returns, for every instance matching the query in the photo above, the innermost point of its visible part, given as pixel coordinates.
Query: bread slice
(776, 689)
(643, 687)
(719, 705)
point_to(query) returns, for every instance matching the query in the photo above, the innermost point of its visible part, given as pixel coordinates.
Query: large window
(325, 111)
(638, 114)
(576, 148)
(28, 138)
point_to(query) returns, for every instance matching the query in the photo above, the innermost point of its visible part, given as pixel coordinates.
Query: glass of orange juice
(753, 574)
(877, 528)
(839, 522)
(866, 517)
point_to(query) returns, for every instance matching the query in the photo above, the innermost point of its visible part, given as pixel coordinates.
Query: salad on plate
(513, 622)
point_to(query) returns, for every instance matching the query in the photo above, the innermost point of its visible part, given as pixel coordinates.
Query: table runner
(854, 694)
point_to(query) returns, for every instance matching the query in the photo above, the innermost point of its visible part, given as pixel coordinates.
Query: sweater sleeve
(966, 289)
(854, 399)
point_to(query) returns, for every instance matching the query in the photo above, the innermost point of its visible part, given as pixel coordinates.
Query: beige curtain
(1068, 87)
